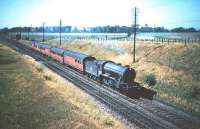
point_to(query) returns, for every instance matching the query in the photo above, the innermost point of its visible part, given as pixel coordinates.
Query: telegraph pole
(43, 31)
(60, 30)
(29, 28)
(134, 14)
(28, 32)
(20, 30)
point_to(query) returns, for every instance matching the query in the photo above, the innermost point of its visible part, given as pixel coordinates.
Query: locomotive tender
(116, 76)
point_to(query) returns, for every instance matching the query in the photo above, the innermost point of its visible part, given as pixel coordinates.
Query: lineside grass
(34, 97)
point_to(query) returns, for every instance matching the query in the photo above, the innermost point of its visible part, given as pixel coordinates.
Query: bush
(150, 79)
(46, 77)
(192, 92)
(109, 122)
(39, 69)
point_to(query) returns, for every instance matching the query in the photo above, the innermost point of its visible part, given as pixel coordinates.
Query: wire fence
(109, 38)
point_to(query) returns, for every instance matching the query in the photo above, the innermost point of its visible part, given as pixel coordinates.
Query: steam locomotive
(116, 76)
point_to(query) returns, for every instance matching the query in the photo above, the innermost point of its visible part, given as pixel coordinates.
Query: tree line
(97, 29)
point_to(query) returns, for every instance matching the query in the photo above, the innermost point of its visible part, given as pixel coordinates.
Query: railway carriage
(36, 46)
(76, 59)
(45, 49)
(57, 54)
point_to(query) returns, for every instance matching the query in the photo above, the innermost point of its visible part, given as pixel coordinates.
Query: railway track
(143, 113)
(168, 113)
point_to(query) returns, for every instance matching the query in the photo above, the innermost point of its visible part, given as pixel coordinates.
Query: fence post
(185, 42)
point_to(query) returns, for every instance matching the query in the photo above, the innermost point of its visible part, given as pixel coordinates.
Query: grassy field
(33, 97)
(175, 66)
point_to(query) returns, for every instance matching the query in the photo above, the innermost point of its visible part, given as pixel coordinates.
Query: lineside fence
(113, 39)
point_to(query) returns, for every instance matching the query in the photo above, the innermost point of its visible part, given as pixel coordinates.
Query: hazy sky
(167, 13)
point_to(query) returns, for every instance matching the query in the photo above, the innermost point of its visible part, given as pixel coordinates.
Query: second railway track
(142, 113)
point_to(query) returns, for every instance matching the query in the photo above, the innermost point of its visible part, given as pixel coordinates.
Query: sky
(88, 13)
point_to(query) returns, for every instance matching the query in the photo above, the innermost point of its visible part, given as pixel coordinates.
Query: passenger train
(118, 77)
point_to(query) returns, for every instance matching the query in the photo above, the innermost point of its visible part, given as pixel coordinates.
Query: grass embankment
(31, 96)
(175, 66)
